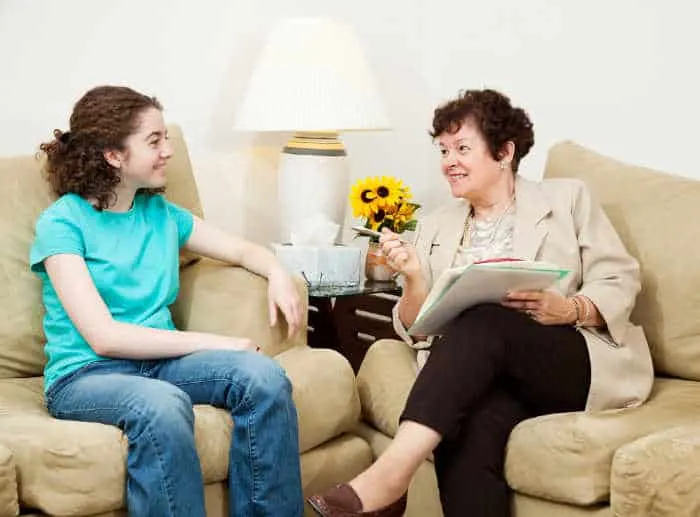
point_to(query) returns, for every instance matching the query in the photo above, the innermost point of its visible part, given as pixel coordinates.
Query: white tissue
(316, 230)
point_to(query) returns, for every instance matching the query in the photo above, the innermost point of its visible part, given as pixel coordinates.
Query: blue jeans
(151, 402)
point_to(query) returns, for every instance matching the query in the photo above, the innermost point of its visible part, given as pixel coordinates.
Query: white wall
(617, 76)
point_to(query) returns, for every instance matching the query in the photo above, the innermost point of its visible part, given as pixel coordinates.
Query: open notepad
(459, 288)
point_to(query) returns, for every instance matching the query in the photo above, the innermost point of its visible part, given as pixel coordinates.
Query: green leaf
(410, 225)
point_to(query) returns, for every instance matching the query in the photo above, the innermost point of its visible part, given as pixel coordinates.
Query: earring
(503, 166)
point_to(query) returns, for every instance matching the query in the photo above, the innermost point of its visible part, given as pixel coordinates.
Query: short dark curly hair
(102, 119)
(494, 117)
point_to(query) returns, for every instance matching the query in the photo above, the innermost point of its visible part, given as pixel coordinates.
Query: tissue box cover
(322, 265)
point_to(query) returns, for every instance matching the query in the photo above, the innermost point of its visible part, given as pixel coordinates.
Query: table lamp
(312, 79)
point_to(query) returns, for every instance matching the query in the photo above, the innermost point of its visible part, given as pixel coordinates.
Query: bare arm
(211, 242)
(110, 338)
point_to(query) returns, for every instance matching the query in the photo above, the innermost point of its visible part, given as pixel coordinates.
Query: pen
(371, 233)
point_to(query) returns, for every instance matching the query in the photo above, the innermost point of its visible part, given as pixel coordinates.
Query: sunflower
(378, 219)
(404, 212)
(383, 202)
(371, 194)
(390, 192)
(363, 198)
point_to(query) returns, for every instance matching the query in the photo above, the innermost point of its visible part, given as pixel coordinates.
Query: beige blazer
(557, 221)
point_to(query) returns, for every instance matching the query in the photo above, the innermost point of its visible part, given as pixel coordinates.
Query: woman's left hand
(282, 293)
(545, 307)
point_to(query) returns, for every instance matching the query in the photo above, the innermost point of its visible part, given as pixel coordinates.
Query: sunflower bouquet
(383, 202)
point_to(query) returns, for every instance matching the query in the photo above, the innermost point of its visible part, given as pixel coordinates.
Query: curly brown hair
(495, 118)
(101, 120)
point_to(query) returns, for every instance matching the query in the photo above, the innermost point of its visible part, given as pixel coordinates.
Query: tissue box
(322, 265)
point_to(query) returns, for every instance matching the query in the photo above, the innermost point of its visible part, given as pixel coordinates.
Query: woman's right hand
(401, 256)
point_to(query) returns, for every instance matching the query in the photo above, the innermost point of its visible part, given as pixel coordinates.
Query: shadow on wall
(261, 214)
(257, 153)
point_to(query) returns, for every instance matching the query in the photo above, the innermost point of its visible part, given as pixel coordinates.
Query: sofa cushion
(9, 505)
(77, 468)
(568, 457)
(658, 475)
(181, 188)
(25, 195)
(656, 217)
(210, 301)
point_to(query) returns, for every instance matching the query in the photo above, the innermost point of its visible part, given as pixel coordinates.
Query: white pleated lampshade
(312, 76)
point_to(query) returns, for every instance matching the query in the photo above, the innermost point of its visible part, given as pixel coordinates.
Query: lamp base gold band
(316, 144)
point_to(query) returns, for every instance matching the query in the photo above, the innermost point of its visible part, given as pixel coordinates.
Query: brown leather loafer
(342, 501)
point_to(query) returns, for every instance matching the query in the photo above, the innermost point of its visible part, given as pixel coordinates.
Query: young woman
(107, 252)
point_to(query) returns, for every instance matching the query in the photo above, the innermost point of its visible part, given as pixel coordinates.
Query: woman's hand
(401, 256)
(545, 307)
(282, 293)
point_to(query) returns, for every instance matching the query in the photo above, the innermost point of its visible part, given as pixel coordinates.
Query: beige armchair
(59, 467)
(641, 462)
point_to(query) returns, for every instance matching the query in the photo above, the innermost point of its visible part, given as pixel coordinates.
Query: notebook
(459, 288)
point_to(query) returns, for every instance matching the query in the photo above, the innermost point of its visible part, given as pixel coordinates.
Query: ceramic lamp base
(312, 182)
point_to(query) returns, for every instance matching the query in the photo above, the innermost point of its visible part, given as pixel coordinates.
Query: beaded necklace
(466, 236)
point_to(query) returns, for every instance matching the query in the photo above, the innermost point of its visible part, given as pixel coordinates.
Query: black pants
(492, 369)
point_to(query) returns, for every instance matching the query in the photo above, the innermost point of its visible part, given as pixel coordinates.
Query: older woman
(536, 352)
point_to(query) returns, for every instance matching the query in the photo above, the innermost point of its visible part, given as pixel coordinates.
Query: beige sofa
(627, 463)
(55, 467)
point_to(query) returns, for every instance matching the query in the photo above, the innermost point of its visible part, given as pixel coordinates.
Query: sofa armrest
(658, 474)
(9, 503)
(232, 301)
(324, 392)
(384, 381)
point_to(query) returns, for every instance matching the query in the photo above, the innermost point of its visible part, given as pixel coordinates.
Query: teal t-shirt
(133, 258)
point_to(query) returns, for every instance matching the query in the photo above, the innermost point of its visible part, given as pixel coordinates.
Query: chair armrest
(384, 381)
(232, 301)
(658, 474)
(324, 393)
(9, 502)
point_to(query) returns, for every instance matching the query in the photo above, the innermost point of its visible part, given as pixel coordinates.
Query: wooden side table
(350, 319)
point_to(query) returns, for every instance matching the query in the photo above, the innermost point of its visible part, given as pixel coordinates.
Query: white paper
(315, 230)
(459, 288)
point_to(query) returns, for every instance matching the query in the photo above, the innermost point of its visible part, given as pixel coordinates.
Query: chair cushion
(9, 505)
(568, 457)
(658, 475)
(655, 215)
(232, 301)
(25, 195)
(77, 468)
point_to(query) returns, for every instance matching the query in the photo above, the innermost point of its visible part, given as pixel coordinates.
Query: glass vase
(376, 267)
